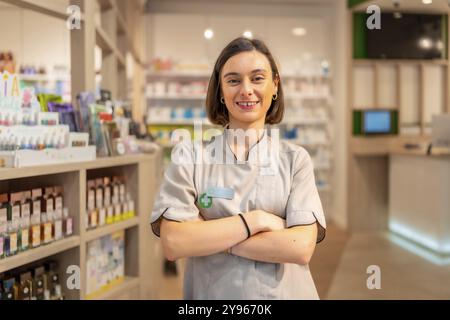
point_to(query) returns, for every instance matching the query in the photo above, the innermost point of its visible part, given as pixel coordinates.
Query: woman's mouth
(247, 105)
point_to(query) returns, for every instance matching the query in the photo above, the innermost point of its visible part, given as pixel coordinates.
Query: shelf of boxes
(72, 250)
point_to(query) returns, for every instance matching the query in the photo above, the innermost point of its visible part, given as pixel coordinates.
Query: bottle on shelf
(35, 231)
(4, 213)
(67, 223)
(24, 234)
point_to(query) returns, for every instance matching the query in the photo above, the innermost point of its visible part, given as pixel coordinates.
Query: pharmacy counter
(419, 198)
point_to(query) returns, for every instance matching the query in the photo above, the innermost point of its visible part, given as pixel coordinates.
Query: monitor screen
(377, 121)
(411, 36)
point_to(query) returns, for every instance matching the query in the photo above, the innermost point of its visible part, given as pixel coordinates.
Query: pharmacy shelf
(41, 252)
(42, 78)
(109, 229)
(140, 246)
(126, 286)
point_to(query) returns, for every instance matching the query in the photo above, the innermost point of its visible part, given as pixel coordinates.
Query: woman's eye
(260, 78)
(233, 81)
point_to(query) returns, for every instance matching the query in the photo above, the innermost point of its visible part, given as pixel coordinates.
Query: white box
(29, 158)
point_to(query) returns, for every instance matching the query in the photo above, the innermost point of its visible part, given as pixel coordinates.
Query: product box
(105, 263)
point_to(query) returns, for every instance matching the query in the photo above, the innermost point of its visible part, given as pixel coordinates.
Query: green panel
(357, 123)
(352, 3)
(394, 122)
(359, 36)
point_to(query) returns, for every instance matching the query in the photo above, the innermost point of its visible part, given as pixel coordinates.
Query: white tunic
(283, 185)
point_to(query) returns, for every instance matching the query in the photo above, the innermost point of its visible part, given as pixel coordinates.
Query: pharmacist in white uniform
(243, 210)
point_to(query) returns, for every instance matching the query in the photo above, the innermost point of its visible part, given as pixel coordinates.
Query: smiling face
(247, 87)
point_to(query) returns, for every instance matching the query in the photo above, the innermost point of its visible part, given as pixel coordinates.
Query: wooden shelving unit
(143, 267)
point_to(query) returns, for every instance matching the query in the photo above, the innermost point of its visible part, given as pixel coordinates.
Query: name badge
(267, 171)
(220, 192)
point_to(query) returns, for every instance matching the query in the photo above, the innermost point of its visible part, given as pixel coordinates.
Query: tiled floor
(339, 269)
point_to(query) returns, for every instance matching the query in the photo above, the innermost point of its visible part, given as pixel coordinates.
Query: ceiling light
(425, 43)
(299, 32)
(208, 34)
(248, 34)
(427, 1)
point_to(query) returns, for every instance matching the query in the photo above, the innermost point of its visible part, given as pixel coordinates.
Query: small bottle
(35, 232)
(131, 210)
(24, 233)
(4, 208)
(32, 143)
(67, 223)
(48, 204)
(16, 143)
(11, 240)
(91, 219)
(58, 214)
(106, 191)
(40, 143)
(48, 142)
(55, 142)
(99, 193)
(61, 142)
(23, 143)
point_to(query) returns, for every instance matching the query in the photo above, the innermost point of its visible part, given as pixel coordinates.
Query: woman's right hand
(262, 221)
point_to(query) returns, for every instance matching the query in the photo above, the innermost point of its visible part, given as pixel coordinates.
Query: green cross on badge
(205, 201)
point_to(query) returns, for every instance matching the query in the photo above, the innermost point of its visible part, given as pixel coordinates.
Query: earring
(275, 97)
(222, 100)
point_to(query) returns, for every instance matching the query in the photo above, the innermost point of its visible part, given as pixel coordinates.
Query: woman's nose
(246, 89)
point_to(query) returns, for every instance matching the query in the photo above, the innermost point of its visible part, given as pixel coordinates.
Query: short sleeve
(176, 197)
(304, 206)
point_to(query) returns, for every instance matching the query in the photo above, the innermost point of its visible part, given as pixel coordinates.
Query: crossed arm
(270, 240)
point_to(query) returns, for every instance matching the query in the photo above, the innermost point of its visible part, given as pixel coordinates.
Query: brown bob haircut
(217, 112)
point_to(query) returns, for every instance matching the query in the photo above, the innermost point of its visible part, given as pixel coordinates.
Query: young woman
(247, 223)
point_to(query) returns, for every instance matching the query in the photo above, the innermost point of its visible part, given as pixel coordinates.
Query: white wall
(175, 29)
(34, 38)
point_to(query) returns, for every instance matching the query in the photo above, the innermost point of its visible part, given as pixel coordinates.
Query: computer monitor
(377, 122)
